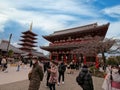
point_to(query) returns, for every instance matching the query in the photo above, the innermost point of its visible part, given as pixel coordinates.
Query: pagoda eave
(25, 44)
(23, 40)
(29, 33)
(26, 48)
(33, 38)
(22, 48)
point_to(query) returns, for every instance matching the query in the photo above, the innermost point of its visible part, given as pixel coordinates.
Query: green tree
(10, 53)
(112, 61)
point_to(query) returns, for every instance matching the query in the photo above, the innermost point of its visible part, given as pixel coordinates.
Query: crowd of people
(55, 74)
(54, 71)
(19, 63)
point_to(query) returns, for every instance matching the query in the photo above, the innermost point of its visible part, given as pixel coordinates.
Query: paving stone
(70, 84)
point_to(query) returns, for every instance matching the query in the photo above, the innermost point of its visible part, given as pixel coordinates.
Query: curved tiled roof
(4, 45)
(72, 31)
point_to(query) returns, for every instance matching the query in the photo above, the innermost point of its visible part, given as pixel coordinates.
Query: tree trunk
(104, 61)
(103, 57)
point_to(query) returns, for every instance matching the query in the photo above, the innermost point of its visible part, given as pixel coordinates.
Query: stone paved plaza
(18, 81)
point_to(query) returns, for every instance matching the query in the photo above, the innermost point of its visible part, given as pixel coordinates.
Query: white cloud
(1, 28)
(114, 30)
(112, 11)
(3, 19)
(45, 22)
(64, 6)
(15, 44)
(59, 14)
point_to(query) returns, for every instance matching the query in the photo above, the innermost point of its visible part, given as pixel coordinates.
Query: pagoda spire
(31, 26)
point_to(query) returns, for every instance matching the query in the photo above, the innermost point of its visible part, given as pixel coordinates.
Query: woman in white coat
(112, 80)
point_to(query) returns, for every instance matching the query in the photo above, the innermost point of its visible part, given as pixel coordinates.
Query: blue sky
(53, 15)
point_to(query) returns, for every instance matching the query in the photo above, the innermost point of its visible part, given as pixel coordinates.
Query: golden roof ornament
(31, 26)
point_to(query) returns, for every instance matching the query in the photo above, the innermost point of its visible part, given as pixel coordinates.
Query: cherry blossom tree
(95, 46)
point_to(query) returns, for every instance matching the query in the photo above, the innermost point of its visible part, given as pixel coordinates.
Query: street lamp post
(9, 43)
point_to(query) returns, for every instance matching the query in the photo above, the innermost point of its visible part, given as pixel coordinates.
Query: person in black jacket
(84, 79)
(61, 70)
(48, 73)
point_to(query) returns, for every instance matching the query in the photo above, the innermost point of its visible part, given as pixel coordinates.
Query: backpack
(80, 79)
(61, 68)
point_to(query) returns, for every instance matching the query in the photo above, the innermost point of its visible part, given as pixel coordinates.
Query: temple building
(64, 42)
(3, 48)
(28, 40)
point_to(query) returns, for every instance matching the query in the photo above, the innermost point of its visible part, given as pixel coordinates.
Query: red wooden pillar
(97, 62)
(84, 62)
(74, 57)
(64, 58)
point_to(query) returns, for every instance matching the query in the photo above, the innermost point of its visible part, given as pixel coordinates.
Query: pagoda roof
(26, 36)
(24, 40)
(29, 32)
(27, 44)
(24, 48)
(4, 45)
(77, 30)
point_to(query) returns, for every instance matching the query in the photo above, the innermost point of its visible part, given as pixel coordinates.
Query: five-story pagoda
(28, 40)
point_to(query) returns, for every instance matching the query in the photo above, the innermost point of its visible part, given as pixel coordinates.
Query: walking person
(18, 65)
(61, 70)
(35, 76)
(30, 61)
(53, 76)
(84, 79)
(48, 73)
(0, 63)
(4, 64)
(72, 66)
(112, 80)
(68, 69)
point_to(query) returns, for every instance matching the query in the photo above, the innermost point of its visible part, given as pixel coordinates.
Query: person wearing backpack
(84, 79)
(61, 70)
(112, 79)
